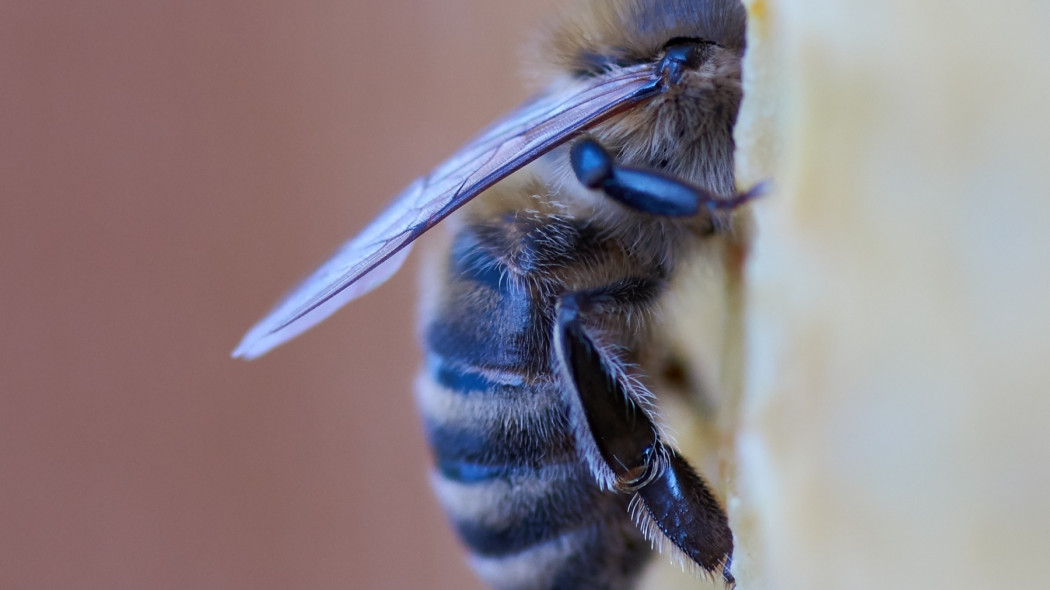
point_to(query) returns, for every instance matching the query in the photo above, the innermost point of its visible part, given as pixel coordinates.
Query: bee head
(697, 45)
(597, 36)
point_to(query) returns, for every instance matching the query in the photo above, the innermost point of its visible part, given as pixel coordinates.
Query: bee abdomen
(518, 524)
(508, 476)
(506, 467)
(505, 445)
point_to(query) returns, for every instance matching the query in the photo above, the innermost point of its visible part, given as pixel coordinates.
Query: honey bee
(544, 314)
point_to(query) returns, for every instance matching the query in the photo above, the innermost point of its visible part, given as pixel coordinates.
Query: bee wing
(375, 254)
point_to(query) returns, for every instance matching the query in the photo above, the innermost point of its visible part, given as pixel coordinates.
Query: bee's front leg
(648, 191)
(612, 424)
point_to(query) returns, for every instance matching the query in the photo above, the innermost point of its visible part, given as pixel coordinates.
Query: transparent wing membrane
(377, 252)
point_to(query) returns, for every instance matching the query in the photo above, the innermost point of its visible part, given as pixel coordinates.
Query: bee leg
(623, 446)
(646, 190)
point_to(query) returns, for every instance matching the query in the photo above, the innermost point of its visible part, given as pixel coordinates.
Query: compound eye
(688, 51)
(675, 41)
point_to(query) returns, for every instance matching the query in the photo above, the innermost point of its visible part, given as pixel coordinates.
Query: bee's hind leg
(622, 445)
(646, 190)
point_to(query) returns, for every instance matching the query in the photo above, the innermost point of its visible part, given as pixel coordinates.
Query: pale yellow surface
(893, 427)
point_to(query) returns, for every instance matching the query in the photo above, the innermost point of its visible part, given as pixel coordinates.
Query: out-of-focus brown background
(167, 170)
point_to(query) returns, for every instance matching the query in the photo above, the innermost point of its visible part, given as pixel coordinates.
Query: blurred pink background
(168, 170)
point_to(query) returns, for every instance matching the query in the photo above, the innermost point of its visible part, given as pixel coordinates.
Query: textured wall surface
(898, 327)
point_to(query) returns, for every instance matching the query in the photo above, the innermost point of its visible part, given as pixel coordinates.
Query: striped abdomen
(506, 468)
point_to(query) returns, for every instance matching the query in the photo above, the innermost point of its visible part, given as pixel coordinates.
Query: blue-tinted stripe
(493, 542)
(569, 506)
(461, 379)
(496, 444)
(502, 344)
(467, 473)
